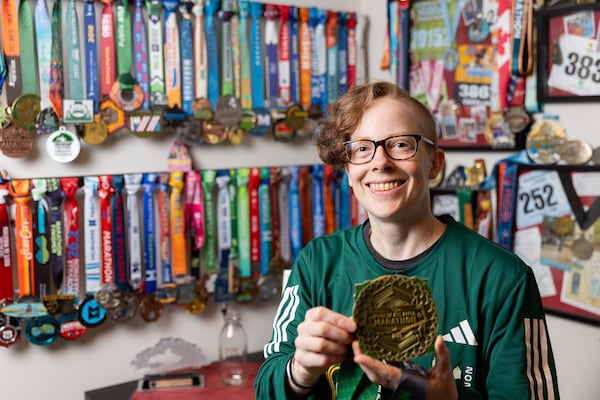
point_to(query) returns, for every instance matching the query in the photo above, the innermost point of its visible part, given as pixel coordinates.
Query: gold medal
(575, 152)
(113, 116)
(235, 135)
(96, 132)
(543, 141)
(396, 317)
(25, 111)
(213, 132)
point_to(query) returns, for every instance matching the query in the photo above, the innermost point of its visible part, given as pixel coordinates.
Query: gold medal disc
(96, 132)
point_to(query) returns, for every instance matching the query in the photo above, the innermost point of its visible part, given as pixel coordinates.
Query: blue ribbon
(149, 184)
(211, 9)
(317, 201)
(258, 79)
(342, 53)
(294, 56)
(187, 57)
(295, 213)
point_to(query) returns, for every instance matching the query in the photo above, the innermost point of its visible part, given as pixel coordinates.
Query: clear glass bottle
(233, 351)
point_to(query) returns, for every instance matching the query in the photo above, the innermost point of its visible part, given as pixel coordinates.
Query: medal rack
(200, 71)
(82, 250)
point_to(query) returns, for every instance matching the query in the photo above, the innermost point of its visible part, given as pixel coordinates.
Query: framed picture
(569, 54)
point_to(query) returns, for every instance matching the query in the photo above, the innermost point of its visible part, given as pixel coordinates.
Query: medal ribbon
(345, 199)
(258, 78)
(105, 193)
(200, 56)
(227, 88)
(253, 184)
(305, 54)
(55, 197)
(342, 53)
(172, 54)
(235, 48)
(187, 56)
(351, 26)
(140, 53)
(211, 46)
(271, 44)
(107, 48)
(284, 54)
(6, 267)
(245, 69)
(284, 215)
(522, 37)
(149, 184)
(91, 54)
(210, 228)
(317, 201)
(178, 238)
(393, 34)
(305, 204)
(133, 183)
(19, 190)
(26, 41)
(294, 56)
(71, 217)
(332, 57)
(224, 234)
(233, 205)
(506, 202)
(329, 198)
(156, 53)
(74, 53)
(403, 50)
(243, 210)
(165, 229)
(43, 36)
(295, 213)
(12, 49)
(321, 54)
(265, 221)
(315, 48)
(194, 207)
(91, 234)
(40, 230)
(361, 57)
(119, 242)
(274, 178)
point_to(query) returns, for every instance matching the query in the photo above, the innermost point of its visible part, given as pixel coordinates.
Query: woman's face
(389, 189)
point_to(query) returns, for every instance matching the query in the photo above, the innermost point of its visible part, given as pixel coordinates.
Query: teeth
(385, 186)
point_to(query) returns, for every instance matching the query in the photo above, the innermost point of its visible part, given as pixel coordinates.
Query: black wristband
(288, 371)
(414, 383)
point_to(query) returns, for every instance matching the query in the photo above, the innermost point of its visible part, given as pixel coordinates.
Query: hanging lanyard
(284, 54)
(200, 56)
(211, 46)
(210, 244)
(223, 290)
(12, 50)
(172, 55)
(245, 63)
(304, 49)
(43, 35)
(118, 225)
(71, 217)
(284, 215)
(329, 198)
(140, 53)
(271, 43)
(187, 56)
(6, 267)
(133, 184)
(20, 192)
(351, 26)
(227, 88)
(345, 199)
(43, 277)
(522, 37)
(274, 180)
(55, 198)
(26, 38)
(194, 207)
(342, 53)
(107, 48)
(178, 237)
(235, 48)
(393, 32)
(265, 221)
(305, 204)
(321, 54)
(253, 184)
(107, 294)
(294, 56)
(149, 185)
(361, 56)
(91, 53)
(317, 47)
(318, 214)
(156, 56)
(167, 290)
(74, 51)
(295, 213)
(243, 211)
(56, 64)
(332, 57)
(258, 79)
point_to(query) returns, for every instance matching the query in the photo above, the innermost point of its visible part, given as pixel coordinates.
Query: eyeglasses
(398, 148)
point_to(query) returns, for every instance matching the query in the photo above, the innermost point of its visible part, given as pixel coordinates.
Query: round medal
(126, 309)
(129, 99)
(596, 156)
(109, 295)
(575, 152)
(543, 141)
(63, 146)
(42, 331)
(70, 327)
(229, 111)
(150, 308)
(15, 142)
(96, 132)
(167, 293)
(264, 122)
(582, 249)
(396, 317)
(235, 135)
(10, 331)
(247, 291)
(5, 119)
(25, 110)
(295, 116)
(517, 119)
(202, 109)
(47, 121)
(268, 286)
(213, 132)
(451, 59)
(90, 313)
(113, 116)
(479, 31)
(248, 121)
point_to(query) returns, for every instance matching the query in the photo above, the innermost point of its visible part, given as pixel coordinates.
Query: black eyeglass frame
(382, 142)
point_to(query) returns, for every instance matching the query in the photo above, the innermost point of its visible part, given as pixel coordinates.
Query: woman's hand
(324, 339)
(441, 378)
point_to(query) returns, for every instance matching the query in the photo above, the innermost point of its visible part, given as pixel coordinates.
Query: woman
(492, 340)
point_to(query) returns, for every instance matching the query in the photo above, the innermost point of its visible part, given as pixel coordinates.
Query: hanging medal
(268, 283)
(210, 228)
(167, 289)
(296, 116)
(158, 99)
(12, 50)
(248, 288)
(253, 185)
(194, 217)
(283, 199)
(283, 132)
(351, 29)
(233, 279)
(248, 121)
(201, 106)
(224, 283)
(264, 123)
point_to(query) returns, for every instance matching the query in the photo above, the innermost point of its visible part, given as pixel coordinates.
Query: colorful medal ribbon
(253, 184)
(243, 219)
(20, 191)
(187, 56)
(105, 193)
(283, 197)
(6, 267)
(194, 207)
(361, 56)
(149, 185)
(258, 79)
(274, 179)
(71, 213)
(200, 56)
(107, 48)
(305, 204)
(165, 229)
(271, 43)
(342, 53)
(172, 55)
(234, 257)
(393, 33)
(56, 65)
(43, 35)
(26, 40)
(403, 49)
(91, 53)
(156, 54)
(295, 213)
(317, 47)
(318, 214)
(507, 192)
(75, 69)
(178, 238)
(284, 54)
(133, 184)
(235, 48)
(140, 53)
(321, 45)
(12, 49)
(329, 198)
(332, 56)
(502, 69)
(91, 234)
(345, 199)
(351, 26)
(212, 6)
(305, 54)
(522, 37)
(265, 221)
(210, 229)
(55, 197)
(227, 88)
(294, 56)
(222, 289)
(245, 68)
(119, 243)
(43, 277)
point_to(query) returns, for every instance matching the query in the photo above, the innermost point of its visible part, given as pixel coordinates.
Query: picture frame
(568, 54)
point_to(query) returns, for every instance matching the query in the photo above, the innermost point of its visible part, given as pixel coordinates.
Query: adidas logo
(461, 334)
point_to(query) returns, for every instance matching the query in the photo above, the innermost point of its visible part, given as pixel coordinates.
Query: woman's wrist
(295, 385)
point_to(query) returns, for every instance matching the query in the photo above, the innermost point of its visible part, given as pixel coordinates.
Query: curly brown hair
(345, 115)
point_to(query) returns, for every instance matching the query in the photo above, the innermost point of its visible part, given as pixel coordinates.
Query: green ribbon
(74, 54)
(26, 38)
(210, 244)
(124, 47)
(243, 210)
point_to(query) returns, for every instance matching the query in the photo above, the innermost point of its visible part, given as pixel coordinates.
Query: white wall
(102, 357)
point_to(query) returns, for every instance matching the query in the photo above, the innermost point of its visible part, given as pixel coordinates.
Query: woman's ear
(437, 163)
